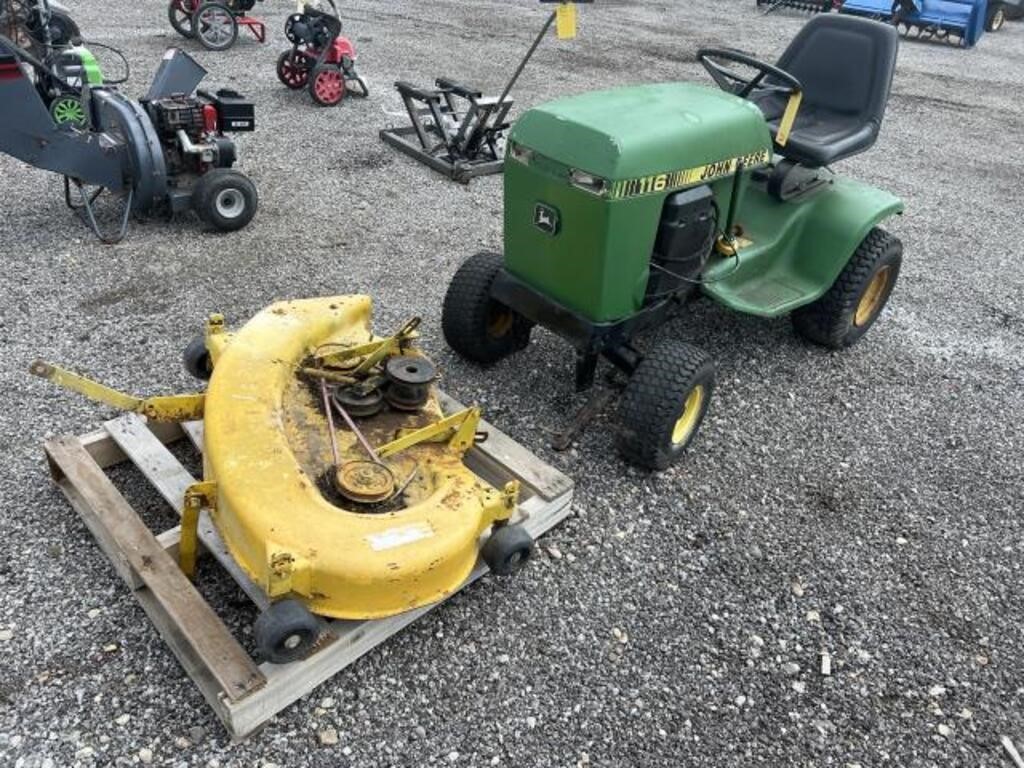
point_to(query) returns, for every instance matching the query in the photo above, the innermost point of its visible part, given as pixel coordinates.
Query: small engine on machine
(192, 128)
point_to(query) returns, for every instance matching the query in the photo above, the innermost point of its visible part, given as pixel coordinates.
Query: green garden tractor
(620, 205)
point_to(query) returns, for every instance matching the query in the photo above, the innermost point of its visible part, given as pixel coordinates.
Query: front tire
(327, 85)
(856, 299)
(475, 325)
(224, 198)
(664, 404)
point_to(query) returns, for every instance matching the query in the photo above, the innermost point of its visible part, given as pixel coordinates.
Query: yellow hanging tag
(565, 21)
(788, 118)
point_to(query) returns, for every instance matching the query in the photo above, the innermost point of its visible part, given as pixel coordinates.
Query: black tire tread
(205, 189)
(465, 312)
(826, 321)
(653, 399)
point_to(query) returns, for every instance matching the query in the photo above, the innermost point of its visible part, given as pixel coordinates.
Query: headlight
(588, 182)
(521, 153)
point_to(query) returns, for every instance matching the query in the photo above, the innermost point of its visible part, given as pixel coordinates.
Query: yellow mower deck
(269, 454)
(273, 484)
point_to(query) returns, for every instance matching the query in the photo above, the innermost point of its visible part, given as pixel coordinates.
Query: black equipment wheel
(996, 17)
(197, 358)
(729, 80)
(215, 26)
(292, 70)
(286, 632)
(475, 325)
(507, 549)
(664, 404)
(857, 297)
(180, 18)
(225, 199)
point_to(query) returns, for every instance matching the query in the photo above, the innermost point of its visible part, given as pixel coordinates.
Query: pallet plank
(134, 436)
(130, 542)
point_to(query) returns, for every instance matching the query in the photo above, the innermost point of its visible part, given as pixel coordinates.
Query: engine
(686, 235)
(192, 128)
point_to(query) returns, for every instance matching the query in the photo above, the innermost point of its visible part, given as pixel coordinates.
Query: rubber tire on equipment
(285, 65)
(670, 380)
(214, 188)
(196, 358)
(223, 8)
(996, 18)
(182, 25)
(319, 80)
(507, 549)
(475, 325)
(831, 321)
(286, 632)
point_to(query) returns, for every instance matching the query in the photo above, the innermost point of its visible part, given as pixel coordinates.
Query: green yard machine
(622, 204)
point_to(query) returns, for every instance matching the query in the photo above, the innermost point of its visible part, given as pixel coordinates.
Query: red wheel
(327, 85)
(179, 13)
(292, 70)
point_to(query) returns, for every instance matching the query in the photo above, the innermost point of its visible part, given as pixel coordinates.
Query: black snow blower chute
(163, 154)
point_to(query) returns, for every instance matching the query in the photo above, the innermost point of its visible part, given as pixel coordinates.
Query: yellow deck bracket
(510, 496)
(197, 497)
(160, 408)
(372, 352)
(464, 424)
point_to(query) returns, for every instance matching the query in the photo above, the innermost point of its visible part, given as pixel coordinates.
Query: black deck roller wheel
(225, 199)
(197, 358)
(664, 404)
(475, 325)
(856, 299)
(507, 549)
(286, 632)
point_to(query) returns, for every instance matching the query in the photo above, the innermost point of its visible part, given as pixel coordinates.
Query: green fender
(793, 251)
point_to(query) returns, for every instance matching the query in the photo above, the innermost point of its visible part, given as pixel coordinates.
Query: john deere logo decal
(545, 218)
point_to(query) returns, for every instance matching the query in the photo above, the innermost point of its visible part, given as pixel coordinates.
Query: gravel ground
(866, 504)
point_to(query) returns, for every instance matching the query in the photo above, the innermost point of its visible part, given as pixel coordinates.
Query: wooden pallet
(243, 692)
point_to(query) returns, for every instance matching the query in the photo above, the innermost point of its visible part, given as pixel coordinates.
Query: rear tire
(856, 299)
(181, 20)
(507, 549)
(664, 404)
(290, 70)
(215, 26)
(224, 198)
(475, 325)
(286, 632)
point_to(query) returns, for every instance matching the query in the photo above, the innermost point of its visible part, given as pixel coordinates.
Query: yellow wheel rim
(687, 421)
(871, 300)
(499, 323)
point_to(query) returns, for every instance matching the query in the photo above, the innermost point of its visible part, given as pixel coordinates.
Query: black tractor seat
(845, 65)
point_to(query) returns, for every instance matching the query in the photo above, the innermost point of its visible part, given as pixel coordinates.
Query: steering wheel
(730, 80)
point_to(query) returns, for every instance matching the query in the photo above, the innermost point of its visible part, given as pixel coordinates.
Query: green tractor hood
(639, 131)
